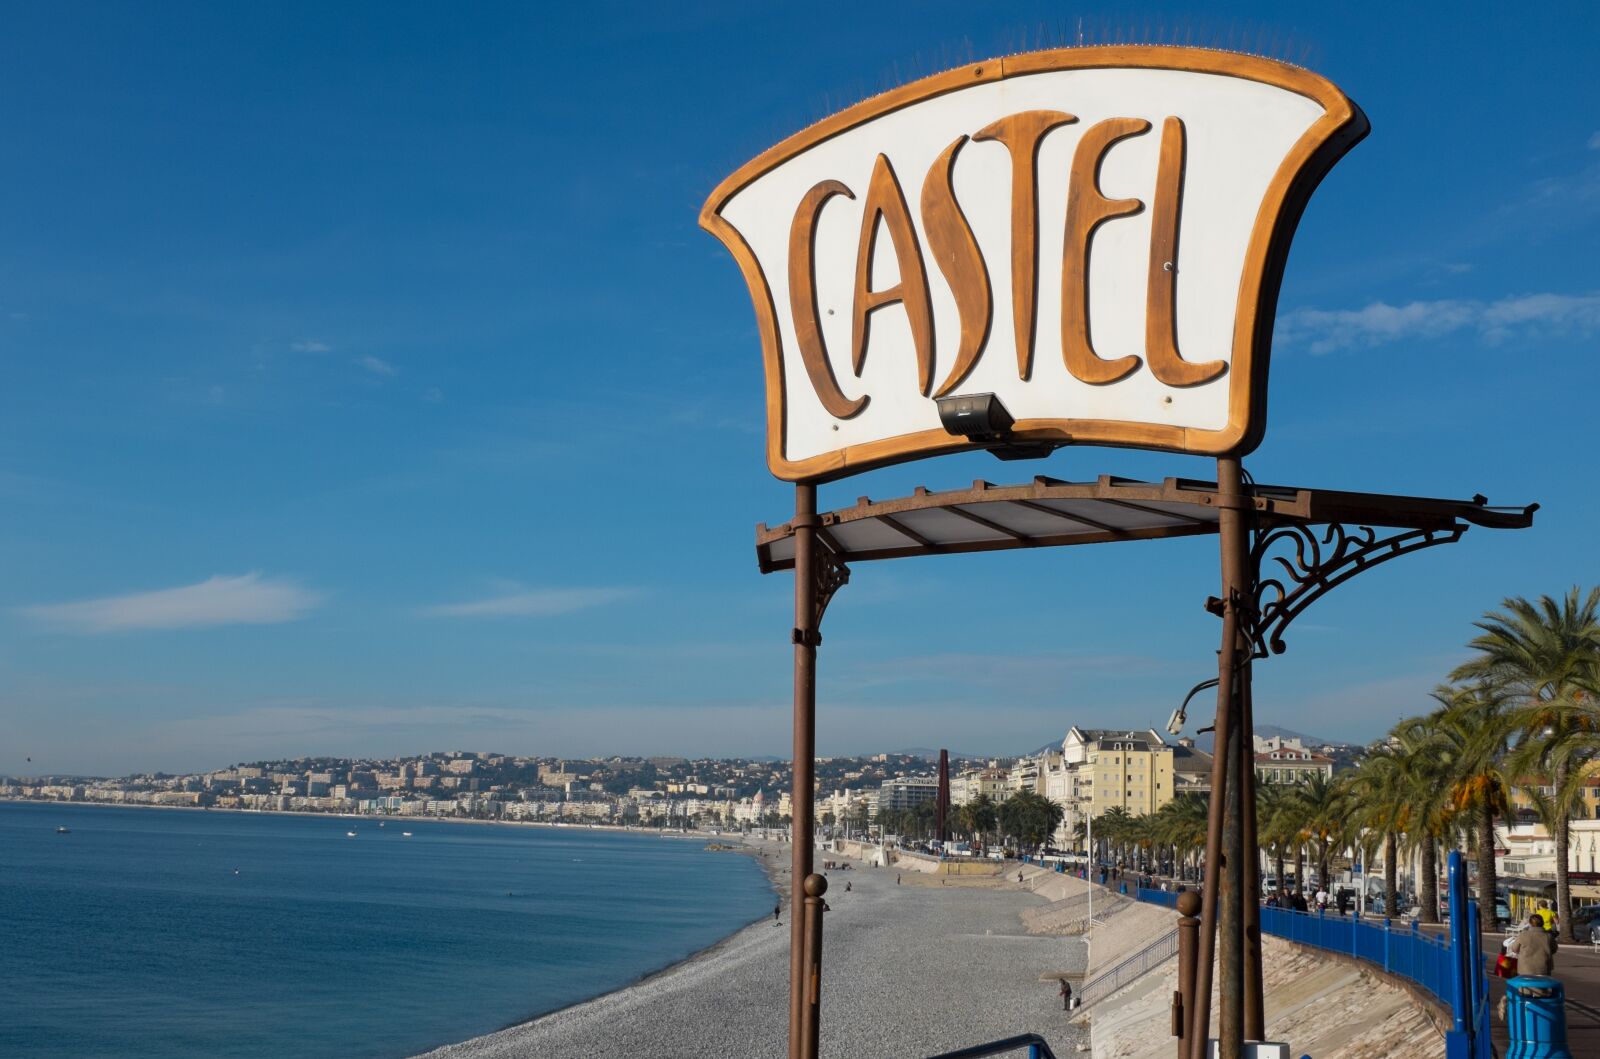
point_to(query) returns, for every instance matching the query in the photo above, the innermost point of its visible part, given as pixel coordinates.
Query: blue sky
(369, 387)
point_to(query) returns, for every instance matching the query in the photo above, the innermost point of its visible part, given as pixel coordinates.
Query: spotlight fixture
(1181, 714)
(981, 417)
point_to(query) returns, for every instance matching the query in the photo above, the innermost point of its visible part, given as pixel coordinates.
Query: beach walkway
(909, 970)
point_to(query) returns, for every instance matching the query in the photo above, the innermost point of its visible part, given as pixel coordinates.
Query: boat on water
(405, 834)
(63, 830)
(349, 834)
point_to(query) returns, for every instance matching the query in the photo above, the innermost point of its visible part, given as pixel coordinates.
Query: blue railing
(1423, 958)
(1450, 967)
(1036, 1045)
(1164, 898)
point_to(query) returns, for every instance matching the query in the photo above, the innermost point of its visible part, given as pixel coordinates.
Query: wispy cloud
(1594, 142)
(1327, 330)
(309, 345)
(530, 603)
(376, 365)
(249, 599)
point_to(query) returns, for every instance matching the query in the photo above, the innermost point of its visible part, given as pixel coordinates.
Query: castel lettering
(956, 255)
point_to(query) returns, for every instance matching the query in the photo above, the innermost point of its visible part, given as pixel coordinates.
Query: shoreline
(731, 997)
(621, 829)
(779, 887)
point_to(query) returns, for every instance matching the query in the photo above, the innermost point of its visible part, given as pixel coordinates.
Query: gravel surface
(908, 971)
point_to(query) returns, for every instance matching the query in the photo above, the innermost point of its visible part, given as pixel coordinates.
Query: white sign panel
(1094, 235)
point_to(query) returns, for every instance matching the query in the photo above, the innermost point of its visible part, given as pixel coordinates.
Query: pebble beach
(909, 970)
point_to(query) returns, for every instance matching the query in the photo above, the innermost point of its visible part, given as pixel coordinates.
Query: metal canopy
(1049, 512)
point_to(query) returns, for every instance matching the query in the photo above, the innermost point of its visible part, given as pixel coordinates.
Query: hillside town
(1089, 772)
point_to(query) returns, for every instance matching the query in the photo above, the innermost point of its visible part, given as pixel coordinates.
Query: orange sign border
(1340, 128)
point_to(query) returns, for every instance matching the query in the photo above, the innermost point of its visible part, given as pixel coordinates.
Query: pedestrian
(1547, 916)
(777, 912)
(1066, 995)
(847, 886)
(1534, 949)
(1019, 876)
(897, 880)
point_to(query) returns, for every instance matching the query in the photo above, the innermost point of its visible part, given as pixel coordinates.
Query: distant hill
(932, 753)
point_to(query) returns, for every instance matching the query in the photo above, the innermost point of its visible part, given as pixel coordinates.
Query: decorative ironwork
(1319, 559)
(831, 574)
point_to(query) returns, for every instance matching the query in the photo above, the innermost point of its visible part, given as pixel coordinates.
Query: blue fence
(1425, 959)
(1450, 967)
(1164, 898)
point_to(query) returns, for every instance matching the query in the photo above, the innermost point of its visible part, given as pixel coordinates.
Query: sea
(189, 933)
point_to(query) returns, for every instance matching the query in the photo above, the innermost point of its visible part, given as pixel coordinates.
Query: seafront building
(1287, 760)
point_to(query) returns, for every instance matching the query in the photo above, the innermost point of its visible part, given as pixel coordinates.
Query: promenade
(1578, 968)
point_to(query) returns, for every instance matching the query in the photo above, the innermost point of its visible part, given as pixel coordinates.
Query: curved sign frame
(1098, 238)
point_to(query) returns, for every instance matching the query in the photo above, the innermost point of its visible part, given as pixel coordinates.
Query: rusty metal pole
(1231, 902)
(1255, 1028)
(1188, 942)
(1221, 929)
(804, 766)
(1238, 856)
(815, 887)
(1200, 992)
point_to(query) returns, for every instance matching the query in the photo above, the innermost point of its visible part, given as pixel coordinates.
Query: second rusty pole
(804, 766)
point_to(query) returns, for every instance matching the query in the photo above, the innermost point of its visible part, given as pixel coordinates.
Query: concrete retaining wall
(1320, 1004)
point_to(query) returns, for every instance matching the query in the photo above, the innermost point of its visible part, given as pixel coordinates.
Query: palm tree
(1546, 655)
(1277, 824)
(1322, 808)
(1181, 826)
(1474, 723)
(1378, 804)
(1112, 826)
(1429, 813)
(980, 815)
(1031, 817)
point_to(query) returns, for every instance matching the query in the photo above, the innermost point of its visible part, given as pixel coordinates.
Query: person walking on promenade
(1535, 948)
(1066, 995)
(777, 912)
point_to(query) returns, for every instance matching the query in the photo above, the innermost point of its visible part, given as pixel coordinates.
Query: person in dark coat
(1066, 995)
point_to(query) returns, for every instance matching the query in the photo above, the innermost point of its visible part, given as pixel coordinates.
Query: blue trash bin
(1536, 1018)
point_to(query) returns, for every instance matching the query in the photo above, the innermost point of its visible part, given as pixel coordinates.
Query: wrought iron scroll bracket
(831, 574)
(1312, 561)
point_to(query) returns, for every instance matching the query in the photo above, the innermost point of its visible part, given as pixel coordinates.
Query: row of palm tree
(1521, 714)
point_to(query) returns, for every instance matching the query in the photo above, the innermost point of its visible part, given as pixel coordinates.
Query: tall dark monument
(942, 823)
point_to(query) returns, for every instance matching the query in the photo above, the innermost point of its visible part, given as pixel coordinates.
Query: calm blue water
(133, 936)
